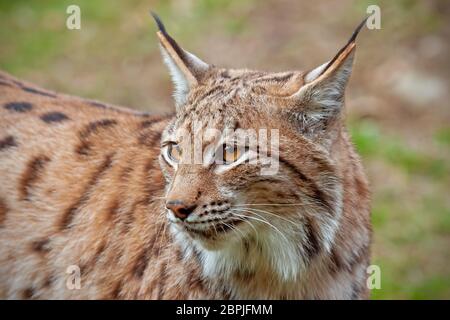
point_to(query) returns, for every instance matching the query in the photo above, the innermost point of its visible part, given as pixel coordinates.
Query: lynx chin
(115, 192)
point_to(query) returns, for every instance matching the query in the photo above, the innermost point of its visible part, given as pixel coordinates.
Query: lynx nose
(180, 209)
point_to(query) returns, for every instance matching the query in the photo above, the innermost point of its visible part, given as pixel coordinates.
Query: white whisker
(273, 214)
(238, 232)
(261, 219)
(246, 220)
(269, 204)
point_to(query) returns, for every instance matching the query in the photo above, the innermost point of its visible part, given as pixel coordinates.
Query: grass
(442, 136)
(370, 142)
(411, 225)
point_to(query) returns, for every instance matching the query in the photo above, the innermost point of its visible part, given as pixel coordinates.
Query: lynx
(114, 194)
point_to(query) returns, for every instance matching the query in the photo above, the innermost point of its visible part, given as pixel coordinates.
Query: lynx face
(223, 200)
(226, 197)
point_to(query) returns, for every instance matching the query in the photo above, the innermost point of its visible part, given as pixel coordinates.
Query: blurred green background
(397, 99)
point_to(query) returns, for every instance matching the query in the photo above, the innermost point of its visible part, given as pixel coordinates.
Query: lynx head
(218, 196)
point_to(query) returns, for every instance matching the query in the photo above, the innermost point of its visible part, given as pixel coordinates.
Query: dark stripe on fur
(150, 138)
(357, 291)
(116, 292)
(37, 91)
(155, 119)
(335, 262)
(101, 105)
(195, 281)
(162, 281)
(207, 94)
(8, 142)
(152, 250)
(359, 255)
(41, 246)
(49, 281)
(93, 127)
(3, 212)
(127, 219)
(18, 106)
(28, 293)
(69, 214)
(277, 78)
(312, 245)
(5, 83)
(97, 104)
(31, 175)
(319, 196)
(149, 122)
(143, 260)
(179, 256)
(338, 262)
(84, 147)
(54, 117)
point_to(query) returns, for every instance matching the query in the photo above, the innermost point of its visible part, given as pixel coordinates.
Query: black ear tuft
(185, 68)
(350, 41)
(357, 30)
(163, 31)
(159, 23)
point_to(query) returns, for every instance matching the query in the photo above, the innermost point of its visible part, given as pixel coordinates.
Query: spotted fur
(87, 184)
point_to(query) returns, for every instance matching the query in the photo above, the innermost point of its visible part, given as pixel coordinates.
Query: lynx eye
(231, 153)
(174, 152)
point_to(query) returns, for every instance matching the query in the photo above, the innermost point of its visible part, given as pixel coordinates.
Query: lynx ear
(185, 69)
(319, 100)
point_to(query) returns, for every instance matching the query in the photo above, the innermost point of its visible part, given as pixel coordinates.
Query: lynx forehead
(115, 192)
